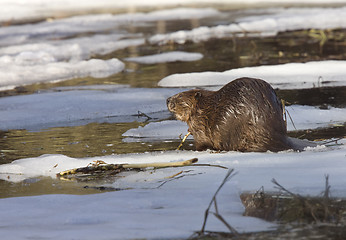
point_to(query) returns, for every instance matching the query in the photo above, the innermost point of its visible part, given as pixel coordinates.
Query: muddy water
(97, 139)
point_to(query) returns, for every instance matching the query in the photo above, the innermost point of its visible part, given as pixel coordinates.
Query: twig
(232, 229)
(121, 167)
(184, 139)
(213, 200)
(141, 114)
(300, 198)
(209, 165)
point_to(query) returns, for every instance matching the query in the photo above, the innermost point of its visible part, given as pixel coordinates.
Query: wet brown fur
(244, 115)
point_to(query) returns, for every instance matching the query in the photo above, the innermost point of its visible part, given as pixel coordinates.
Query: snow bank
(75, 107)
(166, 57)
(282, 76)
(263, 25)
(155, 203)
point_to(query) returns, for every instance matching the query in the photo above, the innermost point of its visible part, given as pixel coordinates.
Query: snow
(155, 203)
(282, 76)
(72, 26)
(56, 50)
(77, 106)
(263, 25)
(309, 117)
(152, 204)
(55, 44)
(173, 56)
(12, 74)
(19, 10)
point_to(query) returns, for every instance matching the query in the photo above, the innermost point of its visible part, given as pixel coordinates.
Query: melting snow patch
(283, 76)
(263, 25)
(167, 57)
(13, 73)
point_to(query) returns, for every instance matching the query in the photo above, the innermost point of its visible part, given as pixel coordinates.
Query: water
(98, 139)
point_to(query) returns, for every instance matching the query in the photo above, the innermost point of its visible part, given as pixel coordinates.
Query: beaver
(244, 115)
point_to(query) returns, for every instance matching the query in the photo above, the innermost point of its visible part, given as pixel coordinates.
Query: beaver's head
(183, 104)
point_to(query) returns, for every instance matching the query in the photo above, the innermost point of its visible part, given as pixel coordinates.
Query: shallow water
(98, 139)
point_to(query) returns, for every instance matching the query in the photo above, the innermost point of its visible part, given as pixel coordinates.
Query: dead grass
(299, 217)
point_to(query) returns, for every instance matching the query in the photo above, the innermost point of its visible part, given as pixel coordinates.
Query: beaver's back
(244, 115)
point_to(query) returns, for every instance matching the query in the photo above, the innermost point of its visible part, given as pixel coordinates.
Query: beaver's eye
(198, 95)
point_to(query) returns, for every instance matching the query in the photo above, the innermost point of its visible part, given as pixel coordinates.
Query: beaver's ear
(198, 95)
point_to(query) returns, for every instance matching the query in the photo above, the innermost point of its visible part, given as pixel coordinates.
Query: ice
(113, 103)
(61, 49)
(155, 203)
(13, 73)
(78, 38)
(19, 10)
(72, 26)
(166, 57)
(304, 117)
(74, 49)
(263, 25)
(75, 107)
(282, 76)
(309, 117)
(50, 10)
(155, 131)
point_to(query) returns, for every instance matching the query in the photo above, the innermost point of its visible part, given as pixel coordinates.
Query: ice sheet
(263, 25)
(76, 107)
(282, 76)
(173, 56)
(18, 10)
(14, 73)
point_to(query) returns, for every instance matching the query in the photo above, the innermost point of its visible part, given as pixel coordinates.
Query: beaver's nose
(170, 104)
(168, 100)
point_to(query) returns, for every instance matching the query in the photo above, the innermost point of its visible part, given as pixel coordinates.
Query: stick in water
(184, 139)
